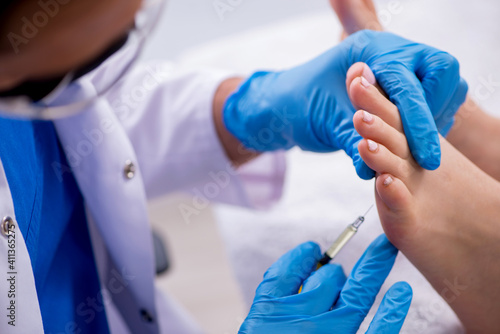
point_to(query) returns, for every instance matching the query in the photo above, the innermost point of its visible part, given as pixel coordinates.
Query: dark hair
(4, 5)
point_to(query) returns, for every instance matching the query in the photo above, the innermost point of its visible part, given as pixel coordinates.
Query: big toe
(395, 206)
(393, 193)
(359, 70)
(365, 95)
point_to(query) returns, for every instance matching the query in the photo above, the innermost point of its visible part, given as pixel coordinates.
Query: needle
(341, 241)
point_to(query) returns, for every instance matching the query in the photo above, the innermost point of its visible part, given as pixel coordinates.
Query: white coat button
(129, 170)
(7, 225)
(146, 316)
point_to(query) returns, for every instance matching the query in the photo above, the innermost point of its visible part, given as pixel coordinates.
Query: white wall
(186, 23)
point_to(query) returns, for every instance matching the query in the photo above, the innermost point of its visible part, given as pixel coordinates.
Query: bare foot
(477, 136)
(445, 221)
(475, 133)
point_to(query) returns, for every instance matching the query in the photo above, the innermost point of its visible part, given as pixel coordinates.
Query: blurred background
(188, 23)
(201, 278)
(219, 256)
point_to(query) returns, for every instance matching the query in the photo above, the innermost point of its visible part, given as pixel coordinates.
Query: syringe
(341, 241)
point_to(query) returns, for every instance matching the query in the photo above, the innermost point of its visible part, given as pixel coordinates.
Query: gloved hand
(328, 302)
(308, 105)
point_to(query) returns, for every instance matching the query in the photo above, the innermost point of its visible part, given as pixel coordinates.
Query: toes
(393, 192)
(360, 70)
(366, 96)
(373, 127)
(396, 207)
(382, 160)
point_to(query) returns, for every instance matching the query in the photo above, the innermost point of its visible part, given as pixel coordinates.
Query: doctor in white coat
(121, 133)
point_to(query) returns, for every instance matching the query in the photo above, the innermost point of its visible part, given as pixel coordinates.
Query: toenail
(367, 117)
(372, 146)
(368, 75)
(365, 82)
(388, 181)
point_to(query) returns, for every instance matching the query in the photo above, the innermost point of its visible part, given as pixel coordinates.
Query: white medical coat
(159, 119)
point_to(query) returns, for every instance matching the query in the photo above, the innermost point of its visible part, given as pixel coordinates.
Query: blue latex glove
(309, 106)
(328, 302)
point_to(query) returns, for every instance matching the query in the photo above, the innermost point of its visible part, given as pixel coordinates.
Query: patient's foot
(356, 15)
(475, 133)
(447, 222)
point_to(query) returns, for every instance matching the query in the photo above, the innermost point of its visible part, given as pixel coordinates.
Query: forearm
(476, 135)
(234, 149)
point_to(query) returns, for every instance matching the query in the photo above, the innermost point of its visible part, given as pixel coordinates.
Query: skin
(235, 151)
(78, 33)
(449, 230)
(83, 29)
(475, 133)
(356, 15)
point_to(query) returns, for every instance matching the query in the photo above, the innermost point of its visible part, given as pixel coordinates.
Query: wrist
(259, 115)
(233, 148)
